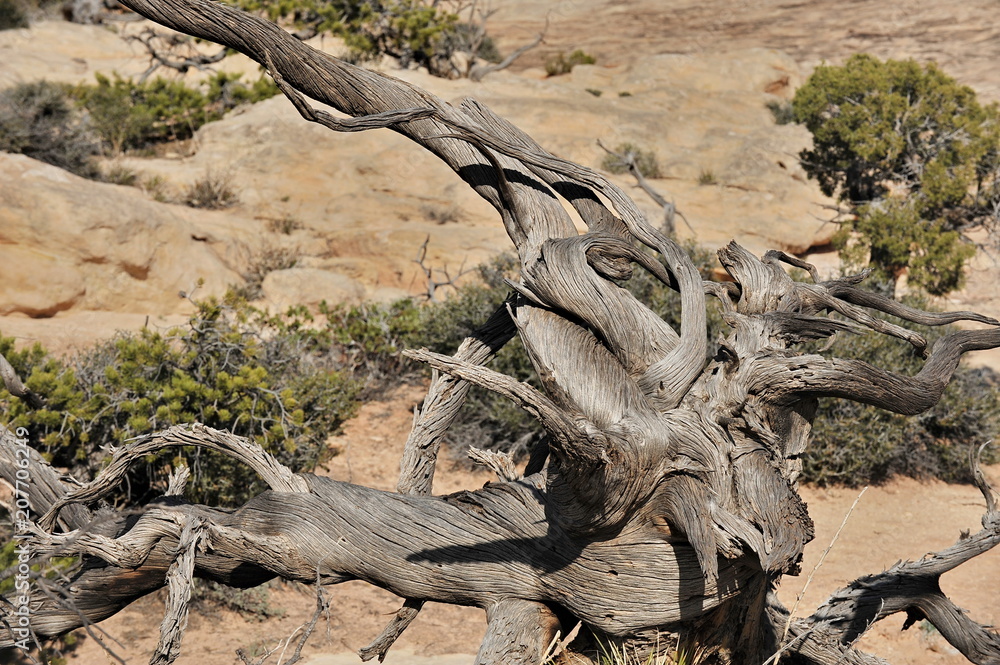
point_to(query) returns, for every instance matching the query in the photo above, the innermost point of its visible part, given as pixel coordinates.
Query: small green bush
(66, 126)
(13, 15)
(424, 33)
(130, 115)
(369, 339)
(212, 191)
(227, 91)
(39, 120)
(897, 238)
(561, 64)
(856, 444)
(228, 368)
(914, 154)
(707, 177)
(645, 160)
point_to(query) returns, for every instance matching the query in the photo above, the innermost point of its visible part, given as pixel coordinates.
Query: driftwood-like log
(664, 498)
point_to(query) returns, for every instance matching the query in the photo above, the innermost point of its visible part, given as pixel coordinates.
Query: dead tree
(664, 499)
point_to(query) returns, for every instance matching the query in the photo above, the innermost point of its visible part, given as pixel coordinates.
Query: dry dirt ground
(902, 520)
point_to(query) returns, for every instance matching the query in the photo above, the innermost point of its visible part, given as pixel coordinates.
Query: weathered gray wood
(517, 633)
(12, 382)
(444, 399)
(276, 475)
(44, 489)
(665, 497)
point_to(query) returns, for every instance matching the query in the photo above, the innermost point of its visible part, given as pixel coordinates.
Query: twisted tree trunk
(665, 497)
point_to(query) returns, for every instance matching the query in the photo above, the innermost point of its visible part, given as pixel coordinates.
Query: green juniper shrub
(369, 338)
(130, 115)
(913, 153)
(424, 33)
(66, 125)
(896, 237)
(223, 369)
(366, 341)
(38, 119)
(227, 91)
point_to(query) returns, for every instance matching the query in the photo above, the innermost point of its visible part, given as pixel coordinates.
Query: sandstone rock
(66, 241)
(363, 204)
(310, 287)
(34, 283)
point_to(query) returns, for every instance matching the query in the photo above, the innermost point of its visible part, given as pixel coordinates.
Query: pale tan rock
(310, 287)
(69, 241)
(77, 330)
(361, 205)
(34, 283)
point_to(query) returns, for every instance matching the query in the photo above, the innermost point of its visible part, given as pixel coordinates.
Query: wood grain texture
(665, 498)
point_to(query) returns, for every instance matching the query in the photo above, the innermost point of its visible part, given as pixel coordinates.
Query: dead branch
(277, 476)
(670, 210)
(173, 51)
(14, 386)
(665, 498)
(433, 283)
(478, 72)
